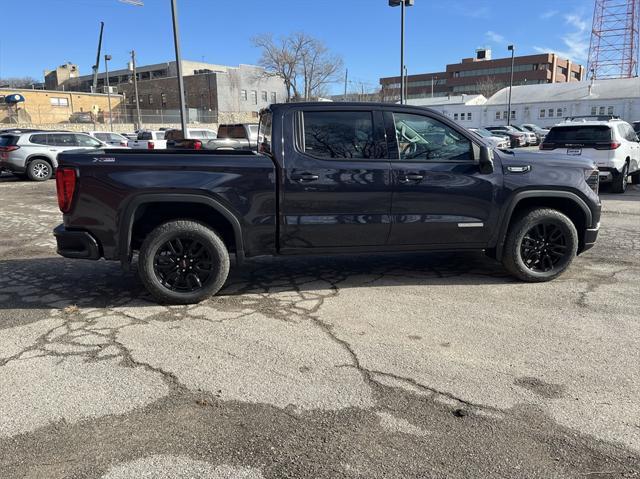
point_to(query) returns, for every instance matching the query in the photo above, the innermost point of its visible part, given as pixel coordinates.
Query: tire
(619, 184)
(39, 170)
(540, 245)
(170, 278)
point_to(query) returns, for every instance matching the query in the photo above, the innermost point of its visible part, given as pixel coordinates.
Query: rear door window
(339, 134)
(41, 139)
(62, 139)
(587, 134)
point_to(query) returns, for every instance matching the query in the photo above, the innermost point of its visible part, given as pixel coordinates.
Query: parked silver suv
(34, 154)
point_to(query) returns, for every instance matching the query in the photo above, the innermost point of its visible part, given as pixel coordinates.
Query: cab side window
(421, 138)
(339, 134)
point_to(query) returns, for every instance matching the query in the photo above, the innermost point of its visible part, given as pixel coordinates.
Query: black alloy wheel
(183, 264)
(540, 245)
(543, 247)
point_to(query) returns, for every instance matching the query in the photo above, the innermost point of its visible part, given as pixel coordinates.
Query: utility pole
(176, 41)
(96, 67)
(135, 88)
(346, 79)
(107, 58)
(512, 49)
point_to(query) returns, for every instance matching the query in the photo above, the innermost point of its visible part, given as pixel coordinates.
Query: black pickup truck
(328, 178)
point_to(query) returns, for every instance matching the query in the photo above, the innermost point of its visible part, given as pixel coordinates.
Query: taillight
(547, 146)
(608, 146)
(151, 145)
(65, 186)
(123, 143)
(197, 145)
(7, 149)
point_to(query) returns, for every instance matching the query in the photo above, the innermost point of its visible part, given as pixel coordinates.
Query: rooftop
(572, 91)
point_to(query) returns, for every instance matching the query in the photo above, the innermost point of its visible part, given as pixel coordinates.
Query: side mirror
(485, 160)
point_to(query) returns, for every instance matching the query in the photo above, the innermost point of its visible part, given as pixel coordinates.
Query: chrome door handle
(410, 177)
(303, 177)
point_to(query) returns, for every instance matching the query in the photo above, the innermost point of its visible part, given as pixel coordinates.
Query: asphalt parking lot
(399, 366)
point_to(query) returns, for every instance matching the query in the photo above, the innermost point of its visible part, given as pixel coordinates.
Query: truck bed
(115, 186)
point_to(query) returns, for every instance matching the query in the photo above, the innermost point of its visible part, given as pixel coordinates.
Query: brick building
(51, 107)
(210, 90)
(485, 76)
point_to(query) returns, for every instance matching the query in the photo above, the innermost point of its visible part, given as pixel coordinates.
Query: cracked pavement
(400, 366)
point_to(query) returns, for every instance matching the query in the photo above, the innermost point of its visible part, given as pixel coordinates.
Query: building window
(274, 97)
(265, 96)
(163, 99)
(150, 99)
(504, 115)
(513, 114)
(610, 110)
(594, 110)
(254, 97)
(243, 95)
(601, 110)
(469, 116)
(542, 112)
(141, 99)
(463, 116)
(56, 101)
(497, 115)
(550, 112)
(559, 112)
(455, 116)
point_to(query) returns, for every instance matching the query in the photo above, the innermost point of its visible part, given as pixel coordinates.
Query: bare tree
(18, 82)
(304, 63)
(487, 86)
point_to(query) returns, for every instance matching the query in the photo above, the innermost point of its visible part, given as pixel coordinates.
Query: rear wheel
(39, 170)
(183, 262)
(540, 245)
(619, 184)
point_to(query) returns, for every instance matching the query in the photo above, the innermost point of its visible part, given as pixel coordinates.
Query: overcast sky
(40, 34)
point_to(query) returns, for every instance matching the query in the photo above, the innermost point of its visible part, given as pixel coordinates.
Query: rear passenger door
(336, 181)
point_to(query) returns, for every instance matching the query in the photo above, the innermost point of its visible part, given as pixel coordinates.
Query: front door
(336, 181)
(440, 198)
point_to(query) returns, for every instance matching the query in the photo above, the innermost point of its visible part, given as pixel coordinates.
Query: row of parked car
(611, 142)
(512, 136)
(32, 153)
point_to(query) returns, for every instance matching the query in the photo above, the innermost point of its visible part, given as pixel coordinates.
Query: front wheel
(540, 245)
(183, 262)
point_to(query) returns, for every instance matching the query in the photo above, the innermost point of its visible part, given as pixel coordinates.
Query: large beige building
(42, 107)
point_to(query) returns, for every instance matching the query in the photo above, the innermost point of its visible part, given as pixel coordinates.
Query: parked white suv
(34, 154)
(612, 144)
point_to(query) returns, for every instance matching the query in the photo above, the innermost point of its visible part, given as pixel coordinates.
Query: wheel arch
(566, 202)
(219, 215)
(40, 156)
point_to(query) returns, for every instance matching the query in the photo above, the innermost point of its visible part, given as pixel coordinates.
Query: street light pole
(402, 8)
(135, 88)
(512, 49)
(402, 4)
(107, 58)
(176, 41)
